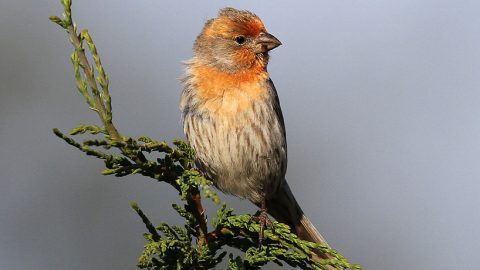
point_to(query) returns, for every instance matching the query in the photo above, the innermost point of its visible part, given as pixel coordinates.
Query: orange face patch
(254, 27)
(245, 57)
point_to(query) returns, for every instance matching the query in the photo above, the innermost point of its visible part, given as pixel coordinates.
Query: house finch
(233, 120)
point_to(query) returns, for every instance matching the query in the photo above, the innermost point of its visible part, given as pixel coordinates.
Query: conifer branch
(193, 245)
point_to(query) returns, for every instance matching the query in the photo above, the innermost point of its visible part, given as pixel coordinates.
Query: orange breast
(229, 93)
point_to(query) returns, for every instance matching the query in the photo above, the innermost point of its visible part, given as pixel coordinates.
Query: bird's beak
(266, 42)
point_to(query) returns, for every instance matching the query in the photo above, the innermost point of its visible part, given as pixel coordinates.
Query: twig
(170, 247)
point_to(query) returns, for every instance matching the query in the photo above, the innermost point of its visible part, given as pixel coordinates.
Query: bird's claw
(264, 221)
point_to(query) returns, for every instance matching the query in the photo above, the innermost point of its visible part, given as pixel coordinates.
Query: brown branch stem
(199, 212)
(99, 103)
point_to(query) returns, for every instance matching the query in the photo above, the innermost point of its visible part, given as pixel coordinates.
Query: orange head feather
(229, 67)
(235, 41)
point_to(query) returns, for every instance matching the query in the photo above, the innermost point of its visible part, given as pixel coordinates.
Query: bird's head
(234, 41)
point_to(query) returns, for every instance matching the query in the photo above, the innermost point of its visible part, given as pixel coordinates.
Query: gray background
(381, 101)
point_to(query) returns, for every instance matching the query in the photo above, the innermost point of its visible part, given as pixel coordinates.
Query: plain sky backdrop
(382, 107)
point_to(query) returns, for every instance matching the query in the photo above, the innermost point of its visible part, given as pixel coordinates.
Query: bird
(233, 120)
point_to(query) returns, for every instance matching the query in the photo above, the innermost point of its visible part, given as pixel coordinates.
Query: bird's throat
(229, 93)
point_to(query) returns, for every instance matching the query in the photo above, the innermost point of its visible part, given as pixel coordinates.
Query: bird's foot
(264, 221)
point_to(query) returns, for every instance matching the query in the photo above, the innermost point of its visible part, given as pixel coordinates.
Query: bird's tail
(284, 208)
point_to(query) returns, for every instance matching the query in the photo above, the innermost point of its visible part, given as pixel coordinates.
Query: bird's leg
(262, 218)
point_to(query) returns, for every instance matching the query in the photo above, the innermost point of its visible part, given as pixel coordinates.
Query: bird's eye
(240, 39)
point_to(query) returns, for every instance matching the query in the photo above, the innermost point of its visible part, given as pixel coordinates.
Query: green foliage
(192, 245)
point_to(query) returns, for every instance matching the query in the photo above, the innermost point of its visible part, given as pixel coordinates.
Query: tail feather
(306, 231)
(284, 208)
